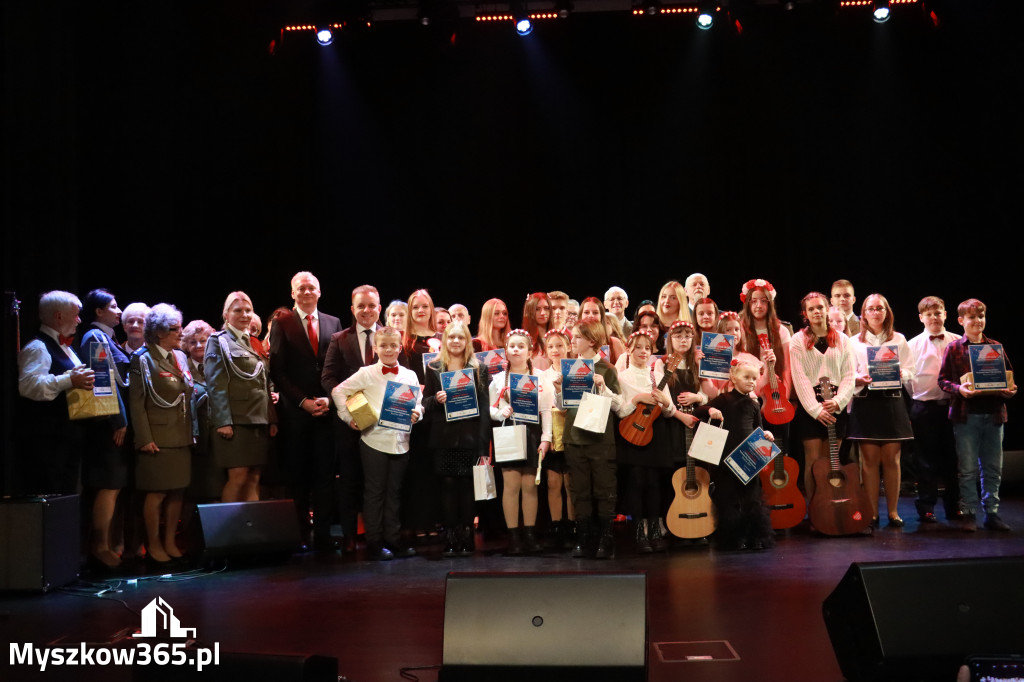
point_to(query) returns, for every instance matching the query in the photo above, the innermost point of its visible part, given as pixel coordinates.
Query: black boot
(553, 537)
(606, 543)
(467, 541)
(515, 542)
(568, 537)
(643, 544)
(580, 549)
(530, 544)
(451, 543)
(659, 543)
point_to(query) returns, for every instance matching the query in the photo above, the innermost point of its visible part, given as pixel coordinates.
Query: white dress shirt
(860, 355)
(928, 355)
(34, 379)
(372, 381)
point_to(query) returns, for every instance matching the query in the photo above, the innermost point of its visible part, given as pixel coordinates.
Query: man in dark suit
(298, 348)
(349, 350)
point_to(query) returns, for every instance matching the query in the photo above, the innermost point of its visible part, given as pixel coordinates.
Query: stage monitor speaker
(918, 620)
(544, 626)
(38, 542)
(239, 666)
(235, 529)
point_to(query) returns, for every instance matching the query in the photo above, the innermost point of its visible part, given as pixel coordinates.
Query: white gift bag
(592, 414)
(483, 480)
(510, 443)
(708, 443)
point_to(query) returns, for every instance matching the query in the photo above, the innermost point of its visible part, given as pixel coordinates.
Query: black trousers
(936, 456)
(592, 471)
(308, 456)
(382, 494)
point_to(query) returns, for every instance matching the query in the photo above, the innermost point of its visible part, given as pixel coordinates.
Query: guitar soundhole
(691, 489)
(780, 482)
(837, 479)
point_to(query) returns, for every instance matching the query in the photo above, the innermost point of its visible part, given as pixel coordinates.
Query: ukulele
(840, 501)
(776, 409)
(691, 514)
(637, 428)
(785, 502)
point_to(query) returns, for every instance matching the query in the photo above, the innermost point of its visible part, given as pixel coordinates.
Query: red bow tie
(66, 340)
(935, 337)
(390, 370)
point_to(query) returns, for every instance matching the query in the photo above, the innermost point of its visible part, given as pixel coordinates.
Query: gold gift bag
(362, 411)
(557, 430)
(84, 404)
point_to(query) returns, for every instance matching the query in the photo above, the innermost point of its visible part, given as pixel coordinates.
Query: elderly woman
(104, 460)
(241, 411)
(133, 321)
(160, 393)
(207, 479)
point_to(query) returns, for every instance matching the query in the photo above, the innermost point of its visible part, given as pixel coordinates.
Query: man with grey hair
(615, 303)
(47, 369)
(697, 287)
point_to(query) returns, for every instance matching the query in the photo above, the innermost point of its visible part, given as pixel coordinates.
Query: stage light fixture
(705, 16)
(881, 12)
(324, 35)
(563, 8)
(524, 26)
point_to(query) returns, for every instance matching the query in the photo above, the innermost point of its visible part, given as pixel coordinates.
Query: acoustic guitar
(840, 503)
(776, 409)
(692, 513)
(637, 428)
(786, 503)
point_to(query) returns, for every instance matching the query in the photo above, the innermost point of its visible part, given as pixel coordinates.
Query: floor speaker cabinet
(38, 542)
(545, 626)
(254, 529)
(242, 667)
(918, 620)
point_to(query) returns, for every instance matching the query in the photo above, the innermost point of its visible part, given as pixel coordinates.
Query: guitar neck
(833, 447)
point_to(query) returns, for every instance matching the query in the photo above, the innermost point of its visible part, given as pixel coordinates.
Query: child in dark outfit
(743, 519)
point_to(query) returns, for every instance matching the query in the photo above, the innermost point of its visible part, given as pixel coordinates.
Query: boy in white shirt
(929, 415)
(384, 452)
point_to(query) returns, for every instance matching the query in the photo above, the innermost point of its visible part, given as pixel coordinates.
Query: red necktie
(311, 332)
(66, 340)
(390, 370)
(368, 352)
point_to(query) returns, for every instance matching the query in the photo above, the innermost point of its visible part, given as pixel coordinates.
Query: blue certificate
(461, 401)
(428, 358)
(717, 350)
(399, 402)
(752, 455)
(577, 379)
(99, 363)
(988, 366)
(883, 366)
(525, 398)
(492, 360)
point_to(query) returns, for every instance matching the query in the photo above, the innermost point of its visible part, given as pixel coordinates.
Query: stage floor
(379, 617)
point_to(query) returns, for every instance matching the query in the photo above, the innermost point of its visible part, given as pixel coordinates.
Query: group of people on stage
(205, 414)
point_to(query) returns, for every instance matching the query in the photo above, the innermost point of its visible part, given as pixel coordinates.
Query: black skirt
(808, 427)
(880, 415)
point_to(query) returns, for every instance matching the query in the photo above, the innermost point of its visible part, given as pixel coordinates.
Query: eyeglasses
(875, 309)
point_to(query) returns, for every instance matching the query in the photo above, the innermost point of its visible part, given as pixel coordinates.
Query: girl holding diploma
(647, 465)
(591, 456)
(878, 418)
(456, 445)
(564, 532)
(520, 477)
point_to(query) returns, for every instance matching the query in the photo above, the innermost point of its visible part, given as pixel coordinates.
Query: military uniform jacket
(160, 398)
(237, 383)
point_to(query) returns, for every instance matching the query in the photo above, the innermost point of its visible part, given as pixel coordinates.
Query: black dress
(743, 518)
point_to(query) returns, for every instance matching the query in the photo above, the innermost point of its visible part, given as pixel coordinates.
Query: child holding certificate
(384, 450)
(743, 520)
(590, 455)
(456, 442)
(878, 415)
(977, 418)
(646, 466)
(563, 532)
(520, 477)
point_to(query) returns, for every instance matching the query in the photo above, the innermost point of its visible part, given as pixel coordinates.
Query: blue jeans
(979, 442)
